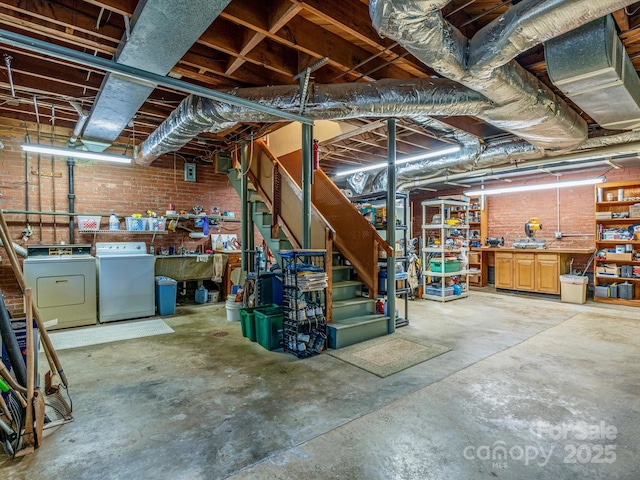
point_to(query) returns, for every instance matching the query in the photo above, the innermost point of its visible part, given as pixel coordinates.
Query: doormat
(107, 333)
(384, 356)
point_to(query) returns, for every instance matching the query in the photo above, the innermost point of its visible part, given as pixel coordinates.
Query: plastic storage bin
(166, 293)
(88, 224)
(437, 290)
(248, 320)
(136, 224)
(269, 328)
(449, 266)
(573, 288)
(156, 224)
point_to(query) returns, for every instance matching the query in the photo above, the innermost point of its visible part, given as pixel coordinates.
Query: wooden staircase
(351, 242)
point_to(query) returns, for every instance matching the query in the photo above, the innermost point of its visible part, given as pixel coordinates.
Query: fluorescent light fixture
(72, 152)
(414, 158)
(535, 186)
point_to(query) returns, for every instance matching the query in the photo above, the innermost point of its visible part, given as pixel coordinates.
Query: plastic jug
(114, 223)
(202, 294)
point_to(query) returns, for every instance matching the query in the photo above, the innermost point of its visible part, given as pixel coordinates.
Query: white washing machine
(126, 282)
(63, 279)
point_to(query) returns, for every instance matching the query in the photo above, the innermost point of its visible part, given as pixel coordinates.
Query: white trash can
(573, 288)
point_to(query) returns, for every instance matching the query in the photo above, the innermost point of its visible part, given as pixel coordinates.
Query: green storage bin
(269, 327)
(248, 320)
(452, 266)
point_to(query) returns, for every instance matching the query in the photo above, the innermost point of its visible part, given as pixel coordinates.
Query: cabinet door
(525, 272)
(504, 270)
(547, 273)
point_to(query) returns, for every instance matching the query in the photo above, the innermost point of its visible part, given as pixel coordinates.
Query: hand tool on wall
(11, 344)
(56, 375)
(28, 436)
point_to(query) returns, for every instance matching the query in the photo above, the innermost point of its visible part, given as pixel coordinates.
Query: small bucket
(233, 310)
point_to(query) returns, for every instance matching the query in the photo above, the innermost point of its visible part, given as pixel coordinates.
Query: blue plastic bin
(166, 293)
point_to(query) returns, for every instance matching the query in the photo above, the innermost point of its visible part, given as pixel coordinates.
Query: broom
(55, 378)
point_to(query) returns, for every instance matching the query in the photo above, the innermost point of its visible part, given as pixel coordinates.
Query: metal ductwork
(385, 98)
(524, 105)
(498, 90)
(162, 31)
(591, 67)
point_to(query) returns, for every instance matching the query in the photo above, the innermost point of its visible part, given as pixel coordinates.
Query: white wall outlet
(189, 172)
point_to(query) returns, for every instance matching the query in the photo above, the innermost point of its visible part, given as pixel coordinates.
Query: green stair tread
(347, 283)
(352, 301)
(357, 321)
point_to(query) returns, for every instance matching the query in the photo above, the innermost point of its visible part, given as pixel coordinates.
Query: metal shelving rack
(453, 239)
(402, 229)
(304, 308)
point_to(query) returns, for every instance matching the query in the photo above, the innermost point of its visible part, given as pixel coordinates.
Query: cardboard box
(608, 270)
(634, 211)
(474, 257)
(636, 236)
(625, 257)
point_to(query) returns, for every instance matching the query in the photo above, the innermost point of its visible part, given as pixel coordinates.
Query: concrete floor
(523, 379)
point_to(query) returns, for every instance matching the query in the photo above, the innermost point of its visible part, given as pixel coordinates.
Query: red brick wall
(574, 207)
(102, 188)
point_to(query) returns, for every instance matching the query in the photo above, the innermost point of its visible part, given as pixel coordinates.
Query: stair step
(346, 289)
(353, 307)
(263, 218)
(261, 207)
(340, 273)
(349, 331)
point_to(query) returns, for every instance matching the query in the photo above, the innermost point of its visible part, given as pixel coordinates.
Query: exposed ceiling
(251, 43)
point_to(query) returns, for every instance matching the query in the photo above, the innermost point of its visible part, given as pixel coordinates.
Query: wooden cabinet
(504, 270)
(525, 272)
(531, 271)
(547, 273)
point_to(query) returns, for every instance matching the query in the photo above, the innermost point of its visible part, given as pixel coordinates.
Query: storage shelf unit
(476, 218)
(453, 242)
(626, 238)
(401, 258)
(304, 302)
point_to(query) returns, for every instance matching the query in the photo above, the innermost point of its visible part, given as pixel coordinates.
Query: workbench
(192, 267)
(530, 270)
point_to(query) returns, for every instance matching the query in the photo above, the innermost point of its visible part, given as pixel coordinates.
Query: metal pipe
(431, 176)
(307, 168)
(7, 62)
(244, 162)
(38, 46)
(26, 182)
(72, 196)
(391, 224)
(83, 115)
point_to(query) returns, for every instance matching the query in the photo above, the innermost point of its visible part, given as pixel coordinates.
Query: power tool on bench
(530, 228)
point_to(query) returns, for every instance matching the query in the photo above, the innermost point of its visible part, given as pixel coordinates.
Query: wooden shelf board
(618, 301)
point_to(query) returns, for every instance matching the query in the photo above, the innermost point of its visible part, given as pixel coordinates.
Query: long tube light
(535, 186)
(72, 152)
(401, 161)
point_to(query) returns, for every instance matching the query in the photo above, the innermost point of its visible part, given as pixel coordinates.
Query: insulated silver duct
(469, 160)
(384, 98)
(524, 105)
(591, 67)
(162, 31)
